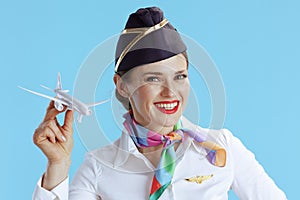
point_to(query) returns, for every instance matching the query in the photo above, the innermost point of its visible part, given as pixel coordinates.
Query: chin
(168, 121)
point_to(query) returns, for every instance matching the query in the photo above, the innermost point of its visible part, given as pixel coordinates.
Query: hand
(54, 140)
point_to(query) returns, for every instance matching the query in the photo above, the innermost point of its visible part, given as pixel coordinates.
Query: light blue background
(255, 45)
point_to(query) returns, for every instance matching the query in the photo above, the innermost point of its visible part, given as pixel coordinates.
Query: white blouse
(120, 171)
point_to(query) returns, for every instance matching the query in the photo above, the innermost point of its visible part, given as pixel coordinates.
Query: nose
(167, 90)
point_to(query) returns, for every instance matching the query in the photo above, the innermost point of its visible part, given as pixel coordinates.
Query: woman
(160, 155)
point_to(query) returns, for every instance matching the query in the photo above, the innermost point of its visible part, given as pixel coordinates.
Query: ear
(120, 86)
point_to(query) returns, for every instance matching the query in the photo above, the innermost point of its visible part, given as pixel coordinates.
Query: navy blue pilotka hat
(148, 37)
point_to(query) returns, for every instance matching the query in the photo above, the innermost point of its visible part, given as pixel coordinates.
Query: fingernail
(63, 138)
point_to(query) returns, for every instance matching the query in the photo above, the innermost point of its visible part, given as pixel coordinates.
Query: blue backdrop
(254, 44)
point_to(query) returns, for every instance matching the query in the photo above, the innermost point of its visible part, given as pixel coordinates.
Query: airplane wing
(45, 96)
(47, 88)
(50, 89)
(97, 103)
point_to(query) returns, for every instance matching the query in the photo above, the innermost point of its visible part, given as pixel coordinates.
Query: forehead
(173, 64)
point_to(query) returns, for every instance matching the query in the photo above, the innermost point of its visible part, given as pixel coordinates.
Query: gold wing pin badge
(199, 179)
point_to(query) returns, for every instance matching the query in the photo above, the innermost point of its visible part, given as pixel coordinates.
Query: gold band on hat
(142, 33)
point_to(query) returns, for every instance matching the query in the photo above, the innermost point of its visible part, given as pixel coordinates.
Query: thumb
(68, 121)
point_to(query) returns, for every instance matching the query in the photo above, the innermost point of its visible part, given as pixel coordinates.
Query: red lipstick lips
(167, 107)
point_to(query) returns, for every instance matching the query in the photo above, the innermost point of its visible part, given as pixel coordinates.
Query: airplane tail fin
(58, 85)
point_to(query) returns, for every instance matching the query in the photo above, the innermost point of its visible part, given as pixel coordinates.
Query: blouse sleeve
(250, 179)
(83, 186)
(59, 192)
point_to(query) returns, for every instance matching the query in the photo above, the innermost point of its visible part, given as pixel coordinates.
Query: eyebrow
(159, 73)
(180, 72)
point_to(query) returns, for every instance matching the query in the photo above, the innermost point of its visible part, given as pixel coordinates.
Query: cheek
(184, 89)
(143, 95)
(187, 90)
(184, 93)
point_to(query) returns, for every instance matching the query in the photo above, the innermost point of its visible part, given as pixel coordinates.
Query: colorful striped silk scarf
(144, 137)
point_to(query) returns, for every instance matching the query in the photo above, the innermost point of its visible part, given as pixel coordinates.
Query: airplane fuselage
(76, 104)
(63, 99)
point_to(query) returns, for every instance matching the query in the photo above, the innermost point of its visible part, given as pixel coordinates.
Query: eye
(152, 79)
(180, 76)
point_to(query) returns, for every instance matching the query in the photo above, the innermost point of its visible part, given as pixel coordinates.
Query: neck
(162, 130)
(147, 150)
(149, 124)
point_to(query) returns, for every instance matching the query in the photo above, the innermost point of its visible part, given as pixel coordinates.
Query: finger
(51, 105)
(68, 121)
(56, 130)
(49, 135)
(52, 112)
(42, 133)
(48, 130)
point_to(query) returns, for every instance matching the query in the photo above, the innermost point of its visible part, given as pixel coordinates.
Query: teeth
(168, 106)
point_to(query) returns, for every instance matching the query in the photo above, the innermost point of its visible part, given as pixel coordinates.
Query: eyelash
(177, 77)
(183, 76)
(150, 79)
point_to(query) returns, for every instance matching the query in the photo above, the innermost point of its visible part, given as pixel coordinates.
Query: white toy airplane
(63, 98)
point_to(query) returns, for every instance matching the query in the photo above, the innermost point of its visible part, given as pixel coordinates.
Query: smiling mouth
(167, 107)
